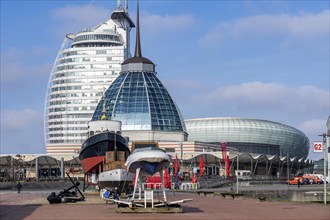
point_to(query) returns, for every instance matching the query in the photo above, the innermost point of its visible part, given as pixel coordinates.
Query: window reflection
(141, 102)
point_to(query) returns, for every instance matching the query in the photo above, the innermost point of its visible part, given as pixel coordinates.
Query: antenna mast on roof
(104, 112)
(126, 7)
(118, 4)
(138, 52)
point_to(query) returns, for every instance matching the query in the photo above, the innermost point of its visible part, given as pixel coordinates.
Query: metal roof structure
(43, 160)
(256, 135)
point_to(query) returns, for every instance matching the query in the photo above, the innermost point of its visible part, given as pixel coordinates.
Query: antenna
(118, 4)
(126, 7)
(104, 114)
(138, 52)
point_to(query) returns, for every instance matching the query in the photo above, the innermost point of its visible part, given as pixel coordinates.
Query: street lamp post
(287, 169)
(237, 173)
(181, 157)
(324, 135)
(237, 165)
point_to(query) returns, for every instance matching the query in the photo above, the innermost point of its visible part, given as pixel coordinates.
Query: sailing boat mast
(104, 113)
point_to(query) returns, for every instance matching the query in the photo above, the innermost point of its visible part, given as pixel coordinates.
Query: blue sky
(250, 59)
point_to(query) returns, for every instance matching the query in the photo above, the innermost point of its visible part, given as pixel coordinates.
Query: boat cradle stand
(159, 207)
(149, 205)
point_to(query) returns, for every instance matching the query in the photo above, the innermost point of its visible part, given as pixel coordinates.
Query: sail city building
(87, 63)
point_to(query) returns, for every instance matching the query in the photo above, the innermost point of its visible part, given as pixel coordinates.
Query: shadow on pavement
(191, 210)
(16, 212)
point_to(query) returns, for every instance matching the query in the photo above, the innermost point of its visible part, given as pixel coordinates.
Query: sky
(247, 59)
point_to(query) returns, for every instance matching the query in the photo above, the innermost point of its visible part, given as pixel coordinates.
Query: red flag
(227, 166)
(166, 179)
(201, 165)
(176, 165)
(225, 158)
(224, 151)
(194, 178)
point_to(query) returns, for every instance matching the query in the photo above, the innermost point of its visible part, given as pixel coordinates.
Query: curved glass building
(250, 135)
(87, 63)
(140, 101)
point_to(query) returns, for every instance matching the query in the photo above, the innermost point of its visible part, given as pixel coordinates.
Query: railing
(97, 31)
(207, 182)
(152, 186)
(189, 186)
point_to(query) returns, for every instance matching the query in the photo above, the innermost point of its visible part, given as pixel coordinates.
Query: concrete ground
(34, 205)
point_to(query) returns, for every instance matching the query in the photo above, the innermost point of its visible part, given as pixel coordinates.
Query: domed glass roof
(253, 131)
(140, 101)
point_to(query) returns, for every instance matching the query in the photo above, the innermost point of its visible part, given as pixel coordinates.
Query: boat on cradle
(147, 157)
(103, 155)
(115, 173)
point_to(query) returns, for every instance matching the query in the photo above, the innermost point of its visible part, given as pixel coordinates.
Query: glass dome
(140, 101)
(250, 135)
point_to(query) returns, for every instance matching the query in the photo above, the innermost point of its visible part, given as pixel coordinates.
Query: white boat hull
(119, 178)
(149, 161)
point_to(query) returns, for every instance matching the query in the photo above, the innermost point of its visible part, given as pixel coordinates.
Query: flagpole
(237, 173)
(324, 135)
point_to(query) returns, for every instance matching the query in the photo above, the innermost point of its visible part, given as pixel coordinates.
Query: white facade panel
(85, 67)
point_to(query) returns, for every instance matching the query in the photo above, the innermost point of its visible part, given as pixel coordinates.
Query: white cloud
(305, 108)
(272, 97)
(73, 18)
(313, 127)
(155, 24)
(19, 68)
(304, 26)
(20, 120)
(186, 84)
(87, 16)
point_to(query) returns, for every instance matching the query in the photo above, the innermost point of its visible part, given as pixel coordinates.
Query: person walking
(129, 192)
(116, 194)
(19, 187)
(299, 183)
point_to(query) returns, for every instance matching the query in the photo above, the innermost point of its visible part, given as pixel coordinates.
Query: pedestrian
(299, 183)
(19, 187)
(116, 194)
(129, 192)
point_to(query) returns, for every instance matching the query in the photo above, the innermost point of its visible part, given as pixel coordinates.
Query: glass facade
(250, 135)
(87, 63)
(99, 37)
(140, 101)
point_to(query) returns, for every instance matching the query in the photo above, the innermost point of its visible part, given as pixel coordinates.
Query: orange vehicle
(294, 180)
(313, 179)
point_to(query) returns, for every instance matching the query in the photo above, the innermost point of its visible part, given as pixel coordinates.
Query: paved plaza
(34, 205)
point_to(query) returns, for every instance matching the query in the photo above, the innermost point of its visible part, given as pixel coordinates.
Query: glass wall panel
(141, 102)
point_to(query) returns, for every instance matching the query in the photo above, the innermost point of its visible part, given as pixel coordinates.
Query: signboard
(149, 194)
(318, 147)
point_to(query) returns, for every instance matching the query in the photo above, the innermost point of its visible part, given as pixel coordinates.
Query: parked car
(322, 177)
(306, 181)
(313, 179)
(294, 180)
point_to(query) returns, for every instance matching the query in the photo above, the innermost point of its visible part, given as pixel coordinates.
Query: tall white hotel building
(87, 63)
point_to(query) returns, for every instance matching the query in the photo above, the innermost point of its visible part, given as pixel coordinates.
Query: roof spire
(138, 62)
(138, 52)
(104, 112)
